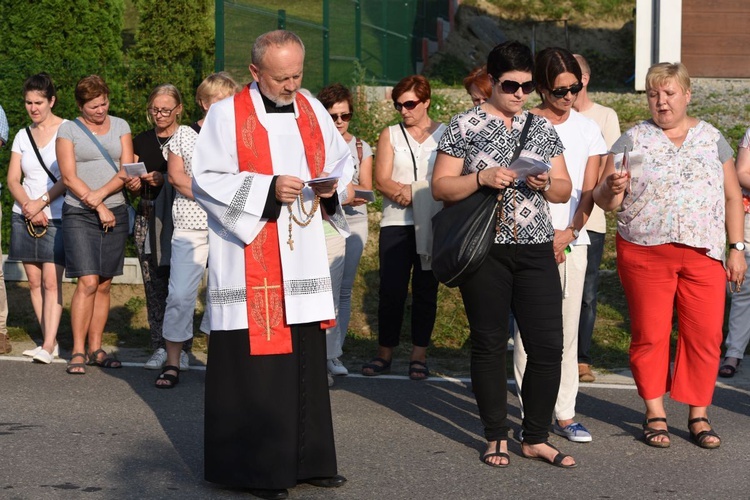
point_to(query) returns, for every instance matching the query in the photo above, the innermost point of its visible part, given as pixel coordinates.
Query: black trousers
(398, 262)
(524, 279)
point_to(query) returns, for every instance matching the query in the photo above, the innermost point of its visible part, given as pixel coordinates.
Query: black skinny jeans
(398, 262)
(523, 278)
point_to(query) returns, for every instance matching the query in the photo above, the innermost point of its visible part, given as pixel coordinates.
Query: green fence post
(219, 25)
(282, 19)
(358, 30)
(326, 43)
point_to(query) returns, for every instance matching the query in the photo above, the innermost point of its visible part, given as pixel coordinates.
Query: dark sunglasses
(344, 116)
(511, 87)
(408, 105)
(563, 91)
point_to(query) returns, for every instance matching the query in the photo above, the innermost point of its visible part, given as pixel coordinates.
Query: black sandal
(496, 453)
(377, 369)
(727, 371)
(649, 433)
(700, 437)
(106, 362)
(418, 370)
(76, 368)
(172, 379)
(557, 461)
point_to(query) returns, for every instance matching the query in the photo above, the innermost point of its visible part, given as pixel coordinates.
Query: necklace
(308, 216)
(163, 145)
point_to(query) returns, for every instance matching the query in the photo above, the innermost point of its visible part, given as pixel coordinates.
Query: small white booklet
(525, 166)
(335, 174)
(365, 194)
(135, 169)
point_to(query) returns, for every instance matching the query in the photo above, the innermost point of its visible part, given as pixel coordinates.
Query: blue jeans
(588, 303)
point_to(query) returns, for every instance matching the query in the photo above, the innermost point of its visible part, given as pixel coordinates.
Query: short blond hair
(661, 73)
(216, 84)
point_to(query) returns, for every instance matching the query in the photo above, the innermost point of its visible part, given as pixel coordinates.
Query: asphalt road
(111, 434)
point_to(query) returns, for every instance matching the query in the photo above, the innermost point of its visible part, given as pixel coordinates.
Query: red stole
(269, 333)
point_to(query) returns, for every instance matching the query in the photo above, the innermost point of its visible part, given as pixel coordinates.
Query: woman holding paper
(36, 238)
(90, 151)
(678, 201)
(153, 222)
(190, 236)
(558, 81)
(520, 272)
(338, 101)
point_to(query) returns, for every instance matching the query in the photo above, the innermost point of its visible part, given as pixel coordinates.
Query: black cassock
(268, 418)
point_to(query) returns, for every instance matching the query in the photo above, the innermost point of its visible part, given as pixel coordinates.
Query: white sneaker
(33, 352)
(575, 432)
(157, 360)
(184, 361)
(43, 357)
(337, 368)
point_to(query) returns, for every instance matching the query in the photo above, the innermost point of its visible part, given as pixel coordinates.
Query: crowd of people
(274, 184)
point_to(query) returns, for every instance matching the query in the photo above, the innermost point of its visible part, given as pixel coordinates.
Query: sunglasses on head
(511, 87)
(408, 105)
(344, 116)
(563, 91)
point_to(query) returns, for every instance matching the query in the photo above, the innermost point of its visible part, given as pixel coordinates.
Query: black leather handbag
(462, 234)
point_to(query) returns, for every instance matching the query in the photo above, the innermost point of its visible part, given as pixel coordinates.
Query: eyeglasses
(408, 105)
(163, 111)
(344, 116)
(563, 91)
(511, 87)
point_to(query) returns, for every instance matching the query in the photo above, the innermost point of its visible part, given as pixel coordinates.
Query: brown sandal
(649, 433)
(76, 368)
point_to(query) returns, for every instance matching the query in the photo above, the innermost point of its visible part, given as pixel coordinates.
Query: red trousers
(656, 279)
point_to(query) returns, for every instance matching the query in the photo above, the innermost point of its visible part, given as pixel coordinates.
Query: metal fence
(385, 38)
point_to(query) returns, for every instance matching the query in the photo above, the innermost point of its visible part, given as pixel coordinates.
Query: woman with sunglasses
(338, 101)
(678, 199)
(403, 168)
(153, 222)
(520, 272)
(36, 231)
(558, 82)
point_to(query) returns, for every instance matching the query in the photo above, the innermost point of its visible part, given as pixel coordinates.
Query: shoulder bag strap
(413, 160)
(522, 139)
(104, 153)
(98, 144)
(358, 143)
(39, 157)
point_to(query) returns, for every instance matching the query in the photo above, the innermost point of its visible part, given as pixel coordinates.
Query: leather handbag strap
(39, 157)
(413, 160)
(522, 139)
(98, 144)
(104, 153)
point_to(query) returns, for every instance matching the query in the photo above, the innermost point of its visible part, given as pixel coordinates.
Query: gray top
(91, 167)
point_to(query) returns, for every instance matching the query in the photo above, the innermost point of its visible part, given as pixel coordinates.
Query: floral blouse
(677, 194)
(483, 141)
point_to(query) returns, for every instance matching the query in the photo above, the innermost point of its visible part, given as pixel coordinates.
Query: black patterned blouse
(483, 141)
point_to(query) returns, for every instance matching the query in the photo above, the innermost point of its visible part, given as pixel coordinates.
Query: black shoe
(270, 494)
(326, 482)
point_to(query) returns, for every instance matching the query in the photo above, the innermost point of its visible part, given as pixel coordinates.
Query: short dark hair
(89, 88)
(509, 56)
(416, 83)
(333, 94)
(42, 83)
(551, 63)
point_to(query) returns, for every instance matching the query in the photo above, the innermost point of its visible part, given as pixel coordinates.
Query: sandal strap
(170, 368)
(655, 419)
(79, 355)
(698, 419)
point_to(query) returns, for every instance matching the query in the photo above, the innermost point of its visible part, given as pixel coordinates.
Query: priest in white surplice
(268, 417)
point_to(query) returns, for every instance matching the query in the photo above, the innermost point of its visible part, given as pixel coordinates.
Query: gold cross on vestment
(265, 289)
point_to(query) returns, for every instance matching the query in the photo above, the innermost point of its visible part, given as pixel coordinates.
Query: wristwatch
(737, 246)
(548, 185)
(576, 232)
(45, 199)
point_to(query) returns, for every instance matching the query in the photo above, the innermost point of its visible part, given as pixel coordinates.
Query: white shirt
(582, 139)
(36, 182)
